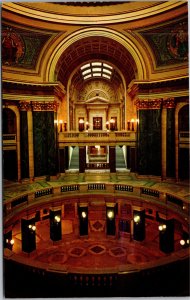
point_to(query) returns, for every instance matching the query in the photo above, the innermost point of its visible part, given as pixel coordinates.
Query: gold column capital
(24, 105)
(44, 106)
(148, 103)
(169, 103)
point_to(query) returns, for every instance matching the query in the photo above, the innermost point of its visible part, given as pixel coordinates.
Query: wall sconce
(132, 124)
(55, 122)
(61, 125)
(110, 214)
(112, 124)
(83, 214)
(87, 125)
(136, 219)
(162, 227)
(81, 124)
(128, 125)
(65, 126)
(10, 242)
(32, 227)
(57, 219)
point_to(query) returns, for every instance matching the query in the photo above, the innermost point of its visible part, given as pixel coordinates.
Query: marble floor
(96, 252)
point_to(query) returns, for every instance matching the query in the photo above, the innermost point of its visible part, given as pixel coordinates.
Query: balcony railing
(184, 137)
(9, 139)
(93, 137)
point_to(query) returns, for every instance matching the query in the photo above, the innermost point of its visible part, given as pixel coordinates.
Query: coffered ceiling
(96, 49)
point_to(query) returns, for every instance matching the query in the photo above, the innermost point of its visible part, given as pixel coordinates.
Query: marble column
(30, 145)
(163, 142)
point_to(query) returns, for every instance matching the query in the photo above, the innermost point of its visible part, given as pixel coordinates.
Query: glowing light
(96, 64)
(87, 76)
(83, 214)
(85, 66)
(136, 219)
(108, 66)
(110, 214)
(57, 219)
(86, 71)
(106, 76)
(107, 71)
(182, 242)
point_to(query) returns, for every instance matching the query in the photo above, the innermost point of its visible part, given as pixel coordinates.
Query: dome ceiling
(99, 49)
(79, 12)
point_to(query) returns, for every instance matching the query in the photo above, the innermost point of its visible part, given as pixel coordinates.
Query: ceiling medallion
(12, 47)
(178, 42)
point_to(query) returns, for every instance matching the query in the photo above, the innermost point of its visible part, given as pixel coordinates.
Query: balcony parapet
(9, 140)
(184, 138)
(77, 138)
(133, 193)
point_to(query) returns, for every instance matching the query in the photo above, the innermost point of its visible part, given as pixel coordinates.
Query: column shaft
(30, 145)
(163, 143)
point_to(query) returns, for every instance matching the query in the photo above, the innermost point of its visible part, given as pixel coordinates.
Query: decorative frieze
(24, 105)
(155, 103)
(38, 106)
(149, 104)
(44, 106)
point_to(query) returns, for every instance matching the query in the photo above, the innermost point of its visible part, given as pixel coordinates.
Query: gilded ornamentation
(24, 105)
(149, 104)
(169, 103)
(44, 106)
(97, 89)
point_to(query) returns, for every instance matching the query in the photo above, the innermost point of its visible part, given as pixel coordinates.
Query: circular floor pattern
(76, 251)
(97, 249)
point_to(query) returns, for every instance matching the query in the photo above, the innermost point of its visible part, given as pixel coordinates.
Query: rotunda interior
(95, 149)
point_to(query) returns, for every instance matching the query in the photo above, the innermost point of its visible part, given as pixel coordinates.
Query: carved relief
(99, 89)
(149, 104)
(44, 106)
(24, 105)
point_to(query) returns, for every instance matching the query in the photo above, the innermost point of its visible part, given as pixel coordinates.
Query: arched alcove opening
(9, 151)
(183, 127)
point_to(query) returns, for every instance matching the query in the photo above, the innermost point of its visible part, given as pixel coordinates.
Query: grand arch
(135, 49)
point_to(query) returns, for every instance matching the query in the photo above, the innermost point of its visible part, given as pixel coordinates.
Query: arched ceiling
(99, 49)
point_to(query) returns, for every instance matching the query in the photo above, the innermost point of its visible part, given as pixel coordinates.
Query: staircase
(74, 164)
(120, 162)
